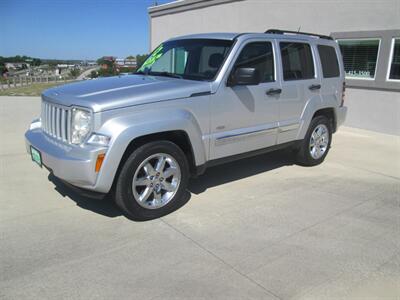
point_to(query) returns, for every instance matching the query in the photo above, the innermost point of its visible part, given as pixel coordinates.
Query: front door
(245, 118)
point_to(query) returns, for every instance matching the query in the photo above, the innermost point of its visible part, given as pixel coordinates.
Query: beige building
(368, 32)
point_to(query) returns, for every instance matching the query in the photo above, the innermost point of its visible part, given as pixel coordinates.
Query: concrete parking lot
(260, 228)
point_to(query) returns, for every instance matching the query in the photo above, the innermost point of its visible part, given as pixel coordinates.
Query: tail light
(343, 93)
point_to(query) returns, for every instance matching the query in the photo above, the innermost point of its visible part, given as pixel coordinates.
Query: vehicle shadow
(213, 176)
(239, 169)
(101, 205)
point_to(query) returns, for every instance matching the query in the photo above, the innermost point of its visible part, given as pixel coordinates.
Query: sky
(74, 29)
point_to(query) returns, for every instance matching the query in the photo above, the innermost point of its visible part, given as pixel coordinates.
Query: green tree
(107, 67)
(140, 59)
(93, 74)
(107, 72)
(74, 73)
(3, 69)
(36, 62)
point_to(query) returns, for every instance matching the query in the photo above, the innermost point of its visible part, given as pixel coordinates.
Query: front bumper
(73, 164)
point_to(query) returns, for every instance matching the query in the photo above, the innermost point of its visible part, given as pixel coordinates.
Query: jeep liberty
(196, 101)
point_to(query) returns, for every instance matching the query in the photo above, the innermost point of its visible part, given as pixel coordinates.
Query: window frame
(239, 51)
(389, 67)
(377, 56)
(313, 54)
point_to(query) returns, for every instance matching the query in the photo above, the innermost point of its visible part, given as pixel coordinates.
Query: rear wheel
(315, 146)
(153, 181)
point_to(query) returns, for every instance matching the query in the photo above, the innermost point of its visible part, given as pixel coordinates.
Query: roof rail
(278, 31)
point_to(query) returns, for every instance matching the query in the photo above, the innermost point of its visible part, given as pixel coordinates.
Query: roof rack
(278, 31)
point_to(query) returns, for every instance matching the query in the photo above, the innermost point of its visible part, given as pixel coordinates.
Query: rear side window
(394, 72)
(329, 61)
(258, 55)
(297, 61)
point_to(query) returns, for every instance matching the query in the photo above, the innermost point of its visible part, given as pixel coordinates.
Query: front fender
(126, 128)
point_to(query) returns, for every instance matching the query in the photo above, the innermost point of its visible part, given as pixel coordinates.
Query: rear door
(300, 83)
(333, 78)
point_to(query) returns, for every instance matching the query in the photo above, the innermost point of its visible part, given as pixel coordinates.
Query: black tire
(124, 196)
(303, 155)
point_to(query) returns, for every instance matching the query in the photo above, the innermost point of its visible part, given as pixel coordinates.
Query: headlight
(80, 125)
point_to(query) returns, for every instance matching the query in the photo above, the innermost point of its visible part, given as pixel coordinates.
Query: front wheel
(315, 146)
(153, 181)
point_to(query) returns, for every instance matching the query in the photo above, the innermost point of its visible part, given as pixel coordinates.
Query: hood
(121, 91)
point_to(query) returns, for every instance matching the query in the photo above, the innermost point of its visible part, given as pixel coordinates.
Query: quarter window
(394, 71)
(173, 61)
(297, 61)
(258, 55)
(360, 57)
(329, 61)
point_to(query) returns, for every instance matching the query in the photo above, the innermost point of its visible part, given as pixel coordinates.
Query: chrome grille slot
(63, 127)
(69, 119)
(53, 121)
(56, 121)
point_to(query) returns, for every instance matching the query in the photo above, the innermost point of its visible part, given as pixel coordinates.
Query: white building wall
(322, 16)
(373, 110)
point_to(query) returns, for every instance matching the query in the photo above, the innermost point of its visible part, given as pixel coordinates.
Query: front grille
(56, 121)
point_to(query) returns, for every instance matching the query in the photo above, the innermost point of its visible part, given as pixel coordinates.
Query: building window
(360, 57)
(329, 62)
(258, 55)
(394, 67)
(297, 61)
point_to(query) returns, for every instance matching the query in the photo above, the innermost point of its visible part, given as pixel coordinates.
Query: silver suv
(197, 101)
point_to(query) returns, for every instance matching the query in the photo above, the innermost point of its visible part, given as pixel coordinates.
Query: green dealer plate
(36, 156)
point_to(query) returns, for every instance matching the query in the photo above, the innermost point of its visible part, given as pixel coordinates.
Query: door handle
(314, 87)
(272, 92)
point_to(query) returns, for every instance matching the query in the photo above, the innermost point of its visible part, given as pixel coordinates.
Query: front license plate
(36, 156)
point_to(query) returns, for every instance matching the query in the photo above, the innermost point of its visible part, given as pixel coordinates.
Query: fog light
(35, 124)
(99, 162)
(98, 139)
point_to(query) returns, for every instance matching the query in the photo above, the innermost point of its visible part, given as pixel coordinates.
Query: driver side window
(258, 55)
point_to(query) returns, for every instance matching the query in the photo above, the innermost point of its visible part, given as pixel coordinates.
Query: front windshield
(196, 59)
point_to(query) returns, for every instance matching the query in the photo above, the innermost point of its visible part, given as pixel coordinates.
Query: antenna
(298, 29)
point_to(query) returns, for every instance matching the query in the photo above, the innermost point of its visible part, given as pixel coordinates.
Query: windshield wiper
(140, 73)
(166, 74)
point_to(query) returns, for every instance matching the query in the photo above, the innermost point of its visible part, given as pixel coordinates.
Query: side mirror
(244, 76)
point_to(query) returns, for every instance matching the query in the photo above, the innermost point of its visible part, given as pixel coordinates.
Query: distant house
(107, 61)
(126, 62)
(67, 66)
(16, 65)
